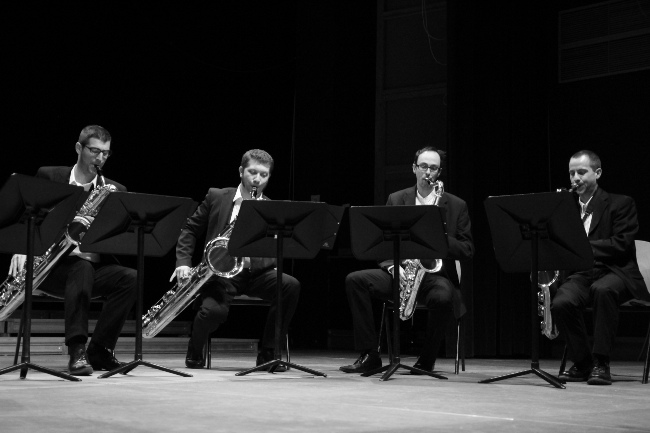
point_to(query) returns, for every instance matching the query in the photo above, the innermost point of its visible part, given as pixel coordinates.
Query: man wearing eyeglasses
(438, 291)
(81, 276)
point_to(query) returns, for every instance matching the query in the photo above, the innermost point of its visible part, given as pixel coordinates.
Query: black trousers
(435, 291)
(600, 289)
(77, 281)
(216, 297)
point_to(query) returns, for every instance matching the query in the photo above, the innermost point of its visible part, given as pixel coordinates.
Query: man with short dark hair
(610, 221)
(81, 276)
(438, 291)
(258, 277)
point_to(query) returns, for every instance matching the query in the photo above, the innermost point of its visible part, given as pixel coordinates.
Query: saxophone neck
(438, 190)
(101, 181)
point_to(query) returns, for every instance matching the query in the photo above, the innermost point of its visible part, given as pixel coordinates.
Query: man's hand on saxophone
(180, 273)
(17, 264)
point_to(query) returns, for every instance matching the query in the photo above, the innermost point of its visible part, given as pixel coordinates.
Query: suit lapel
(409, 197)
(62, 175)
(598, 204)
(226, 207)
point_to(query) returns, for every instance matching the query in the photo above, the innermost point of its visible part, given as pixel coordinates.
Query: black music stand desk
(140, 225)
(278, 229)
(537, 232)
(33, 214)
(380, 232)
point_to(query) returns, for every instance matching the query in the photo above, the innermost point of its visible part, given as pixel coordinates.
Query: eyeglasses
(96, 151)
(424, 167)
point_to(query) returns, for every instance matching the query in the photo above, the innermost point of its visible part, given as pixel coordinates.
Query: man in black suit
(258, 277)
(610, 221)
(438, 291)
(80, 276)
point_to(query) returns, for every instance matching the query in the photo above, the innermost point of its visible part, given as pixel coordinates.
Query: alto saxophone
(414, 270)
(216, 261)
(12, 290)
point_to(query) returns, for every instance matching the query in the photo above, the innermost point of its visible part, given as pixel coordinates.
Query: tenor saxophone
(216, 261)
(414, 270)
(12, 290)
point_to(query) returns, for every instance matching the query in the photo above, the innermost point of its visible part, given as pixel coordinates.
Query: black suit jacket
(457, 225)
(209, 221)
(614, 225)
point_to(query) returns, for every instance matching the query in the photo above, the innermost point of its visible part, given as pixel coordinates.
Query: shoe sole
(86, 371)
(598, 381)
(572, 379)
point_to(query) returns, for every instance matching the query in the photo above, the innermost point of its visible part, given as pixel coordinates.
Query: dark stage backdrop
(514, 128)
(186, 89)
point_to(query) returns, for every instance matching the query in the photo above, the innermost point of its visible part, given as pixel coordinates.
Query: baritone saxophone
(12, 290)
(216, 261)
(414, 270)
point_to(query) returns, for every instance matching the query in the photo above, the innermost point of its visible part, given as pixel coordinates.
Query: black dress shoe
(102, 358)
(365, 363)
(78, 364)
(194, 357)
(423, 364)
(268, 355)
(600, 375)
(577, 373)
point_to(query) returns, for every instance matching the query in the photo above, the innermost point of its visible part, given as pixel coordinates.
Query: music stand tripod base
(533, 370)
(263, 229)
(404, 231)
(392, 368)
(33, 214)
(121, 228)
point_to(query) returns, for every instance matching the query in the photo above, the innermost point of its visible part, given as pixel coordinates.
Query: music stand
(33, 215)
(379, 232)
(533, 232)
(278, 229)
(140, 225)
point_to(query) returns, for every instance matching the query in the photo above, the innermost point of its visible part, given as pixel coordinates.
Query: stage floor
(149, 400)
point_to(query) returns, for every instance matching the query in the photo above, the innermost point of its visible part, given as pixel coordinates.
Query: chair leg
(563, 362)
(462, 344)
(381, 328)
(208, 353)
(646, 366)
(19, 336)
(457, 360)
(389, 334)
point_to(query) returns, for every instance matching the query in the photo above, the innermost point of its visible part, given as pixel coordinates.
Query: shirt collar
(584, 205)
(73, 180)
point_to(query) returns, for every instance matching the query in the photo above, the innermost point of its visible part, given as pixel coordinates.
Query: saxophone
(544, 281)
(12, 290)
(216, 261)
(414, 270)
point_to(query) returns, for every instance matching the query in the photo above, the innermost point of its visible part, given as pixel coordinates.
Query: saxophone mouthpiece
(100, 175)
(572, 188)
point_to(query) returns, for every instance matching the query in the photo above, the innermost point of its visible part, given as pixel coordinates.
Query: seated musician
(258, 277)
(437, 290)
(610, 221)
(80, 276)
